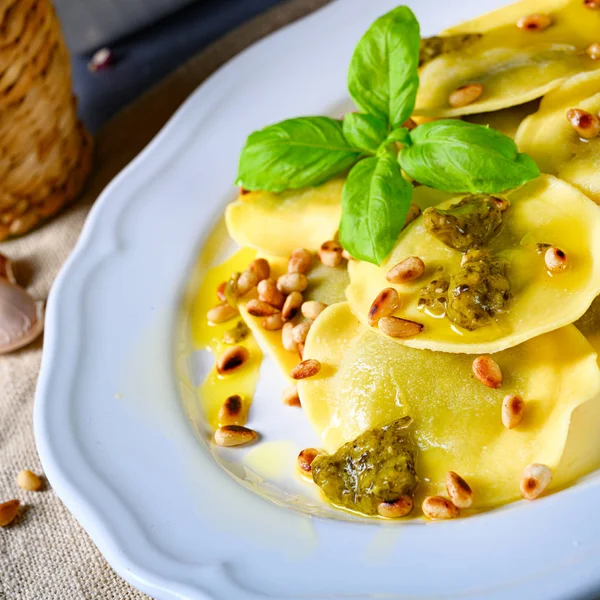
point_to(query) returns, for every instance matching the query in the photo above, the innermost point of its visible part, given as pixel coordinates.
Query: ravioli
(513, 65)
(543, 211)
(507, 120)
(326, 284)
(277, 224)
(547, 135)
(367, 381)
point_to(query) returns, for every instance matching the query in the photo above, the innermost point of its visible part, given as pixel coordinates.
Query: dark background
(145, 57)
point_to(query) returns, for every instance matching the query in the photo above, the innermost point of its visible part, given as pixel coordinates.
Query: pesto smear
(472, 296)
(377, 466)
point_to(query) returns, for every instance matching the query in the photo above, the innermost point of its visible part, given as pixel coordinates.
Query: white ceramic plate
(123, 455)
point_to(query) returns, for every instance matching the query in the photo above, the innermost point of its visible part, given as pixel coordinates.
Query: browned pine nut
(290, 396)
(487, 370)
(234, 435)
(535, 22)
(232, 359)
(300, 331)
(399, 328)
(593, 51)
(330, 253)
(8, 512)
(301, 350)
(386, 302)
(312, 309)
(246, 281)
(556, 260)
(273, 323)
(305, 460)
(414, 211)
(438, 507)
(268, 292)
(259, 308)
(409, 269)
(535, 480)
(501, 203)
(221, 291)
(593, 4)
(346, 255)
(584, 123)
(459, 490)
(300, 261)
(261, 267)
(465, 94)
(28, 480)
(292, 282)
(287, 338)
(513, 409)
(409, 124)
(222, 313)
(307, 368)
(291, 306)
(232, 411)
(397, 509)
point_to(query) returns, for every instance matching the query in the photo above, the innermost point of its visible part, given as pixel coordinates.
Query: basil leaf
(455, 156)
(364, 131)
(295, 153)
(375, 201)
(400, 135)
(383, 78)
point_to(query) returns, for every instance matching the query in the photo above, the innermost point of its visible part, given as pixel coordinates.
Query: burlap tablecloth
(46, 555)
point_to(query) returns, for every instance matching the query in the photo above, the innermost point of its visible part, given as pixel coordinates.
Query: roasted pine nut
(259, 308)
(593, 51)
(307, 368)
(513, 409)
(290, 396)
(234, 435)
(261, 267)
(409, 269)
(330, 253)
(273, 323)
(268, 292)
(300, 261)
(312, 309)
(438, 507)
(232, 359)
(305, 460)
(487, 371)
(535, 22)
(292, 282)
(222, 313)
(397, 509)
(584, 123)
(556, 260)
(459, 490)
(232, 411)
(386, 302)
(300, 331)
(465, 94)
(291, 306)
(246, 281)
(399, 328)
(535, 480)
(287, 337)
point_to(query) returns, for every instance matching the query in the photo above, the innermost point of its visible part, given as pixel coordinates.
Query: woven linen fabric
(45, 554)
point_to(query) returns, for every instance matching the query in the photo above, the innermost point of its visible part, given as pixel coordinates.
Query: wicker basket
(45, 152)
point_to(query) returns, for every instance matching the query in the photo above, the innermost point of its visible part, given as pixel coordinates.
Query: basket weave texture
(45, 152)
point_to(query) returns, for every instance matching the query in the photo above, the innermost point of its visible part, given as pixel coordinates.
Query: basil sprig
(383, 81)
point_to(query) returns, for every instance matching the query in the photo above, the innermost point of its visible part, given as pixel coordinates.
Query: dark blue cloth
(146, 57)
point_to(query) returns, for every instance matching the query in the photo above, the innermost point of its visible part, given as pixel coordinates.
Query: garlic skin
(21, 318)
(6, 271)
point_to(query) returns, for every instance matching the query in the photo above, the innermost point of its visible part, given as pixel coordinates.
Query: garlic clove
(21, 318)
(6, 270)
